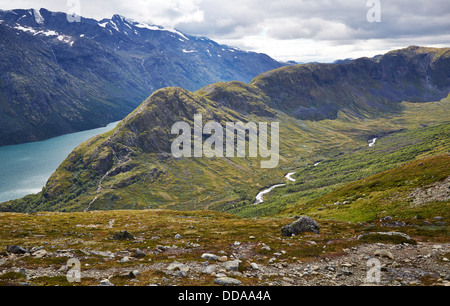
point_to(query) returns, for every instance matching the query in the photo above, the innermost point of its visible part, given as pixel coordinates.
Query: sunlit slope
(419, 189)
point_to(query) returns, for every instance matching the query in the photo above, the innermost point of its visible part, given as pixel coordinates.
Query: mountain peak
(37, 16)
(107, 66)
(28, 17)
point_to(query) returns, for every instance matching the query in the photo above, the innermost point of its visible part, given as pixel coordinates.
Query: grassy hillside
(419, 189)
(132, 166)
(232, 184)
(307, 259)
(313, 181)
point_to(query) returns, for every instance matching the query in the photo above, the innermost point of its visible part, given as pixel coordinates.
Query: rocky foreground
(165, 248)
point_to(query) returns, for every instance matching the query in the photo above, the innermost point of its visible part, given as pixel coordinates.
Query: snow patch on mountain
(49, 33)
(37, 16)
(36, 32)
(158, 28)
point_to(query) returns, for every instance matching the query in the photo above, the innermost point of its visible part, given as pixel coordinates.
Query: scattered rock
(232, 265)
(178, 266)
(35, 249)
(438, 191)
(304, 224)
(265, 247)
(160, 248)
(125, 259)
(381, 237)
(99, 253)
(210, 257)
(347, 272)
(227, 281)
(106, 283)
(123, 235)
(22, 271)
(222, 259)
(15, 249)
(211, 269)
(134, 274)
(40, 254)
(384, 253)
(139, 253)
(394, 224)
(178, 236)
(254, 266)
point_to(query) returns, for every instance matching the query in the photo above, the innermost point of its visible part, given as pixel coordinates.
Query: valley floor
(169, 249)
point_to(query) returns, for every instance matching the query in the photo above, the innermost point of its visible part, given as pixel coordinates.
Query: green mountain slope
(131, 167)
(316, 181)
(418, 189)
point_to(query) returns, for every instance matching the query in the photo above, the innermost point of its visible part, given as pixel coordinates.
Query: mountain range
(360, 195)
(57, 76)
(324, 111)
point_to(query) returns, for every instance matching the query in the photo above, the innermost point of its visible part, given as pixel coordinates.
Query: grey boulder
(301, 225)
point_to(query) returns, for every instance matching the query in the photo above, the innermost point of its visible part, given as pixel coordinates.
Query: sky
(298, 30)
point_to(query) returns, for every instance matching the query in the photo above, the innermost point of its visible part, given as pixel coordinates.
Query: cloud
(283, 28)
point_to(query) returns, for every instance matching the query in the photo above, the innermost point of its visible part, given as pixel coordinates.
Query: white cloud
(301, 30)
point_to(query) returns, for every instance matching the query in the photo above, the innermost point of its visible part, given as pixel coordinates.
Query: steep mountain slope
(57, 76)
(361, 87)
(136, 158)
(132, 166)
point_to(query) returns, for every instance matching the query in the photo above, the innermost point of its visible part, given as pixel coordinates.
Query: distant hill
(360, 87)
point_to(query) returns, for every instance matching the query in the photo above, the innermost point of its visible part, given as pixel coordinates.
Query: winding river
(260, 196)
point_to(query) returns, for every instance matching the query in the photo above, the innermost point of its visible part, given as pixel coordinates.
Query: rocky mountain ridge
(57, 76)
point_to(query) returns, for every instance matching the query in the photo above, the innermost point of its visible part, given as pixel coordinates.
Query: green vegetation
(212, 232)
(396, 193)
(389, 152)
(131, 166)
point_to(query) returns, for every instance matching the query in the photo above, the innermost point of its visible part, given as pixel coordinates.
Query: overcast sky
(300, 30)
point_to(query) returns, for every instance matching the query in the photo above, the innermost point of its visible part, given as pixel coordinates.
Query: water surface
(25, 168)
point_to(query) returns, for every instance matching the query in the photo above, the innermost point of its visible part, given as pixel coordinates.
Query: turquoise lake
(25, 168)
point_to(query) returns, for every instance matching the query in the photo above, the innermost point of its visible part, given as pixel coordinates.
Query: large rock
(124, 235)
(227, 281)
(303, 224)
(232, 265)
(210, 257)
(15, 249)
